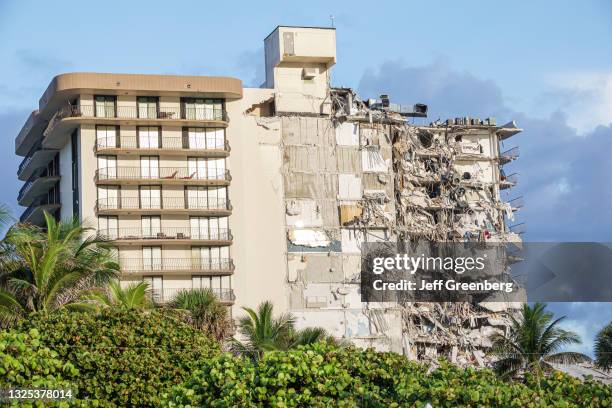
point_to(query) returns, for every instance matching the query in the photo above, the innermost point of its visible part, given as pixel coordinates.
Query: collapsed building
(357, 171)
(270, 193)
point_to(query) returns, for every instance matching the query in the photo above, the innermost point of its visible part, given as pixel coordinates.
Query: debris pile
(364, 174)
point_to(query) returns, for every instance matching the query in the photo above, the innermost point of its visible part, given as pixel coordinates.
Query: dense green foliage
(322, 375)
(204, 311)
(44, 270)
(132, 296)
(533, 341)
(25, 361)
(262, 332)
(603, 348)
(124, 357)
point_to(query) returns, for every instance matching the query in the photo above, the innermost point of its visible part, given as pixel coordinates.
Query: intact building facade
(268, 193)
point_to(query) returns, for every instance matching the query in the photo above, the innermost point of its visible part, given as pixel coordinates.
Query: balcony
(68, 117)
(225, 296)
(34, 187)
(508, 181)
(170, 146)
(165, 205)
(508, 130)
(508, 155)
(168, 236)
(34, 214)
(516, 203)
(187, 265)
(163, 175)
(36, 158)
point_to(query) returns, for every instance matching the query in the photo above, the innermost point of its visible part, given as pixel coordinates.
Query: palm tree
(262, 332)
(204, 311)
(603, 348)
(47, 270)
(533, 342)
(134, 296)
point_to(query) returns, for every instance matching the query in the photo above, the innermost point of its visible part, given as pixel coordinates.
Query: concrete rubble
(356, 171)
(364, 173)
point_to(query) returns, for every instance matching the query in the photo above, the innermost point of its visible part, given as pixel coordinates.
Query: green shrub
(322, 375)
(125, 358)
(26, 363)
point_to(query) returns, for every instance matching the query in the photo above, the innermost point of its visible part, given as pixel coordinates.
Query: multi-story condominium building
(268, 193)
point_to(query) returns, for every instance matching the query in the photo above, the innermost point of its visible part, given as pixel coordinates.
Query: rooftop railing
(163, 203)
(166, 233)
(162, 173)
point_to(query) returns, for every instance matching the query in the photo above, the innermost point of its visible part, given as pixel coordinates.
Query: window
(151, 226)
(204, 168)
(108, 197)
(203, 109)
(149, 167)
(147, 107)
(150, 197)
(74, 150)
(210, 258)
(199, 197)
(149, 137)
(105, 106)
(217, 284)
(209, 227)
(109, 226)
(107, 167)
(151, 258)
(206, 138)
(106, 136)
(156, 286)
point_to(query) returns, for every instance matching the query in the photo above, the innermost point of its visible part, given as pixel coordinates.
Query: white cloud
(585, 97)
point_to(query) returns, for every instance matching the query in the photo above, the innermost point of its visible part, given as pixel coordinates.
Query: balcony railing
(166, 233)
(167, 143)
(161, 173)
(509, 155)
(164, 203)
(167, 294)
(508, 181)
(176, 264)
(28, 157)
(37, 203)
(518, 228)
(516, 203)
(205, 113)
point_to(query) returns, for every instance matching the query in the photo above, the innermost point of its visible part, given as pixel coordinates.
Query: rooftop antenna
(332, 18)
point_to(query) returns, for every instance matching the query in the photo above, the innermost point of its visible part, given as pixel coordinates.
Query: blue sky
(546, 64)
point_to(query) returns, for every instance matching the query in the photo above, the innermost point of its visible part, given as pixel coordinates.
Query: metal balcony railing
(516, 203)
(163, 203)
(176, 264)
(518, 228)
(509, 155)
(28, 157)
(44, 200)
(120, 234)
(167, 143)
(167, 294)
(161, 173)
(507, 181)
(204, 113)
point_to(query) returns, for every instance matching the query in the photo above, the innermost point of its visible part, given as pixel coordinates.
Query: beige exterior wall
(257, 196)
